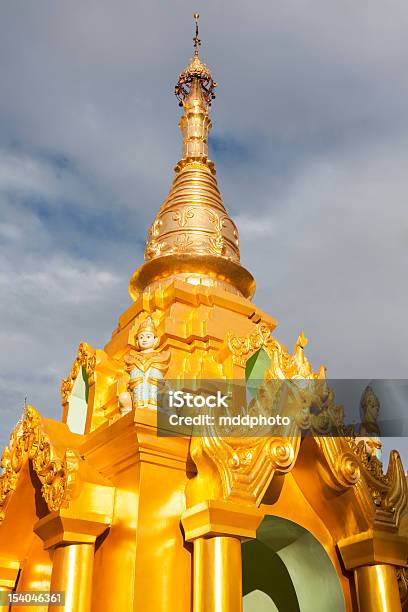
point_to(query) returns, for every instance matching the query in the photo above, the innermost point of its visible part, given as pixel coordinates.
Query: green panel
(81, 385)
(255, 368)
(309, 565)
(256, 365)
(264, 571)
(257, 601)
(291, 568)
(78, 403)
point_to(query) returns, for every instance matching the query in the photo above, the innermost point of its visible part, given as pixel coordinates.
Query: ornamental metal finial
(196, 40)
(197, 70)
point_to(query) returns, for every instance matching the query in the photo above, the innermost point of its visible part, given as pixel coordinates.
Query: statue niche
(146, 368)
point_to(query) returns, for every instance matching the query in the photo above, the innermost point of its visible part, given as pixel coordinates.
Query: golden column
(9, 569)
(216, 527)
(377, 588)
(72, 574)
(374, 557)
(72, 538)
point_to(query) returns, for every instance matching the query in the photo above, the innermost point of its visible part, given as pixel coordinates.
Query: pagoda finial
(196, 40)
(196, 73)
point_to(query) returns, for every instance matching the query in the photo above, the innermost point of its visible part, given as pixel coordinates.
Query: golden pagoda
(101, 508)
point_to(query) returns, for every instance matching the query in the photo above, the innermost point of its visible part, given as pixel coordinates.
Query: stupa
(101, 508)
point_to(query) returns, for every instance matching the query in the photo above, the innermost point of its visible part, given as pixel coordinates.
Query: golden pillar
(8, 577)
(72, 538)
(374, 556)
(220, 558)
(72, 574)
(377, 588)
(216, 528)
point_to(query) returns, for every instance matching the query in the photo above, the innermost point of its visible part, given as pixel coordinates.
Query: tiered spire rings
(193, 237)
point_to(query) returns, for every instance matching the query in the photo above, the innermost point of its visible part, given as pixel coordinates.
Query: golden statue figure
(146, 367)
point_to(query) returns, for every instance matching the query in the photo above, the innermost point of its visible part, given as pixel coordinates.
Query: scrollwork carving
(283, 365)
(348, 469)
(243, 347)
(216, 244)
(155, 228)
(239, 469)
(29, 442)
(86, 358)
(219, 221)
(181, 215)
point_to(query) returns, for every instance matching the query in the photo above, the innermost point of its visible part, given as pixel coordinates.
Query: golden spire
(192, 236)
(195, 92)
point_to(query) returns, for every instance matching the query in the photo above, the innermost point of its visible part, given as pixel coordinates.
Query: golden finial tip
(196, 70)
(196, 40)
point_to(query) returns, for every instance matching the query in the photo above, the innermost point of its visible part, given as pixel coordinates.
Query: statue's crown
(147, 325)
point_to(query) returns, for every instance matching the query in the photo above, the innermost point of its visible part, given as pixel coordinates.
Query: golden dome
(192, 235)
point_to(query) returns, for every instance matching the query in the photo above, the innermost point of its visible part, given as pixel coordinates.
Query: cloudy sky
(310, 141)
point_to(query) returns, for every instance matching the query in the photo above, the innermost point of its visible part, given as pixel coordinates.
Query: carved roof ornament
(345, 463)
(284, 366)
(240, 467)
(29, 442)
(86, 358)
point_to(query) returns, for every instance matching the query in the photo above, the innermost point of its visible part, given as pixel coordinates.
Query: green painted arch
(286, 569)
